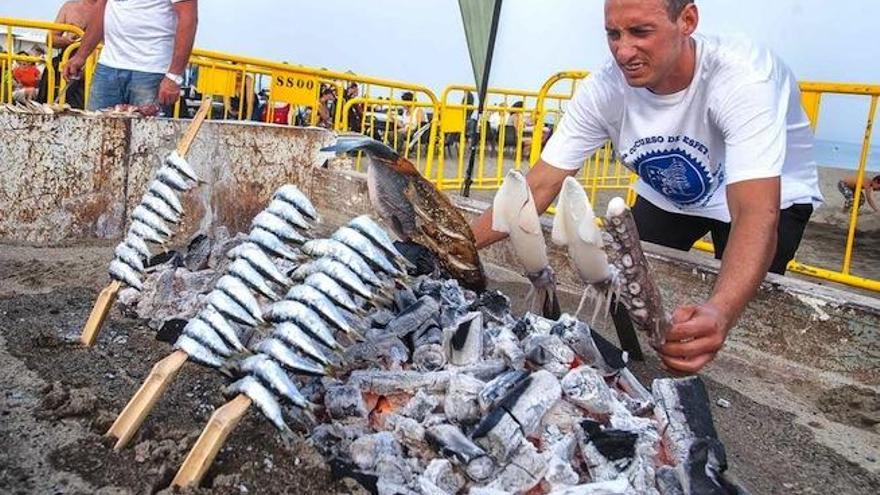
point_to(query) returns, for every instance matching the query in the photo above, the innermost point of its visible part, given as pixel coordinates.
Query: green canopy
(480, 19)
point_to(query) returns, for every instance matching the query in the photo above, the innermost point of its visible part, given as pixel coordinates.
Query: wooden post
(108, 295)
(202, 454)
(131, 418)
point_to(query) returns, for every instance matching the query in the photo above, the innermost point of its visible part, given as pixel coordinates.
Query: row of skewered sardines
(322, 297)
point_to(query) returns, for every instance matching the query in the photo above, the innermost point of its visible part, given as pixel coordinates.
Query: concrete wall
(72, 179)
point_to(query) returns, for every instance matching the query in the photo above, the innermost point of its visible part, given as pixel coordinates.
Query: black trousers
(681, 231)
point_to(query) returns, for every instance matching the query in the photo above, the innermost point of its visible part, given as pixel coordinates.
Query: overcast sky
(422, 41)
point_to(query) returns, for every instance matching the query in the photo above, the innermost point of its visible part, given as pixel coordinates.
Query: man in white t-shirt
(715, 130)
(147, 44)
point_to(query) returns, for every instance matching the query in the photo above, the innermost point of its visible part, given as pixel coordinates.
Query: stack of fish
(214, 334)
(352, 270)
(150, 220)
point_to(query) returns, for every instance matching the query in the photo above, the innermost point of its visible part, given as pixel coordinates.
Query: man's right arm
(544, 180)
(94, 35)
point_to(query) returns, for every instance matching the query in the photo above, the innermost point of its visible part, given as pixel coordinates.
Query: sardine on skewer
(288, 213)
(270, 373)
(123, 273)
(293, 334)
(237, 290)
(289, 359)
(160, 208)
(514, 212)
(229, 307)
(272, 244)
(181, 165)
(322, 305)
(197, 351)
(146, 232)
(306, 317)
(222, 326)
(300, 201)
(365, 225)
(251, 277)
(362, 244)
(173, 179)
(265, 402)
(139, 246)
(338, 272)
(129, 256)
(334, 291)
(344, 254)
(205, 334)
(161, 190)
(145, 215)
(254, 255)
(278, 226)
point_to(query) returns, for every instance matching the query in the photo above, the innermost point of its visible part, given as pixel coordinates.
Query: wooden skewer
(131, 418)
(108, 295)
(202, 454)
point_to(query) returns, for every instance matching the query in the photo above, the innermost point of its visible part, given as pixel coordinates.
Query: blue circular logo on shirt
(676, 175)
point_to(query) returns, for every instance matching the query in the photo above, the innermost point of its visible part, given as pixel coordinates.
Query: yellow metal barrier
(504, 124)
(386, 120)
(11, 56)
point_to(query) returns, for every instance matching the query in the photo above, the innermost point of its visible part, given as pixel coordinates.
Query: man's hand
(73, 69)
(169, 92)
(698, 333)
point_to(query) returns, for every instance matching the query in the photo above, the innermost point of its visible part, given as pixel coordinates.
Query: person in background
(25, 78)
(847, 187)
(76, 13)
(326, 107)
(413, 117)
(147, 44)
(356, 111)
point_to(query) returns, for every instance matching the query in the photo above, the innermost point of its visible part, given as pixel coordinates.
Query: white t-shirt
(739, 119)
(139, 35)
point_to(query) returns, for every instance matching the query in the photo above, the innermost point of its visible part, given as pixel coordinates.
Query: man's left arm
(699, 330)
(187, 23)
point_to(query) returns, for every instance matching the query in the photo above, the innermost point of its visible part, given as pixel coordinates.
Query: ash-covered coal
(509, 405)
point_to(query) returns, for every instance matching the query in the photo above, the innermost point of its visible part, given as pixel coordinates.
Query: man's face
(644, 42)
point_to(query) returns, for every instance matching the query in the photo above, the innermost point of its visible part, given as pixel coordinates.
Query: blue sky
(422, 40)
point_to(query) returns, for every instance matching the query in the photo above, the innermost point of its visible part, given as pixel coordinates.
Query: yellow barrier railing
(10, 55)
(504, 125)
(395, 123)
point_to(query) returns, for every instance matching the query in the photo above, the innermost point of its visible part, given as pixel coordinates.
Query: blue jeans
(112, 87)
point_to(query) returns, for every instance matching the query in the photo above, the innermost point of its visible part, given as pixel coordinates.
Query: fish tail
(550, 303)
(357, 142)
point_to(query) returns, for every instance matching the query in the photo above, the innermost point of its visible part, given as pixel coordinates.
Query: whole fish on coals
(416, 210)
(574, 226)
(514, 213)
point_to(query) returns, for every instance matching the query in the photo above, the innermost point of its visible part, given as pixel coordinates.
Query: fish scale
(271, 243)
(365, 247)
(321, 304)
(344, 254)
(281, 353)
(300, 201)
(337, 271)
(308, 319)
(257, 258)
(269, 372)
(160, 190)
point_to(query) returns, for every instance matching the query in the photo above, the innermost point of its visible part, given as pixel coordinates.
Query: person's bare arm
(699, 331)
(544, 180)
(94, 35)
(60, 39)
(187, 23)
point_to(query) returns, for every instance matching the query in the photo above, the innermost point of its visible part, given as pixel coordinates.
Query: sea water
(841, 154)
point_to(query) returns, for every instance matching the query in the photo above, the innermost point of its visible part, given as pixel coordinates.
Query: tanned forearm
(187, 23)
(544, 180)
(750, 249)
(95, 32)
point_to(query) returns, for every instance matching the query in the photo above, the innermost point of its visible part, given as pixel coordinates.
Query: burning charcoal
(449, 315)
(560, 473)
(464, 341)
(420, 406)
(451, 294)
(532, 324)
(395, 475)
(440, 474)
(450, 442)
(382, 382)
(550, 353)
(667, 481)
(518, 414)
(344, 401)
(525, 470)
(560, 425)
(387, 351)
(619, 486)
(497, 388)
(404, 298)
(503, 344)
(684, 414)
(197, 253)
(461, 404)
(634, 389)
(332, 440)
(407, 431)
(610, 453)
(495, 307)
(585, 387)
(366, 451)
(427, 286)
(428, 345)
(485, 370)
(414, 317)
(380, 318)
(591, 348)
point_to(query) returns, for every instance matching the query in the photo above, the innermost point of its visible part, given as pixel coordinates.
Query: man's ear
(689, 19)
